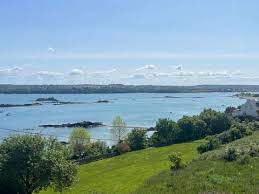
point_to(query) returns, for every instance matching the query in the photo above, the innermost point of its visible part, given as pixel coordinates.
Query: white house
(250, 108)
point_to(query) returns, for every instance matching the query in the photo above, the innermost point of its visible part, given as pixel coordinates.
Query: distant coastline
(119, 88)
(245, 95)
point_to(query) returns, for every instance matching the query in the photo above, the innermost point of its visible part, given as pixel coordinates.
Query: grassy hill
(128, 172)
(147, 171)
(210, 174)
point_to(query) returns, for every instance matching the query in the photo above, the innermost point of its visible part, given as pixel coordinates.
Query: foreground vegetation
(31, 163)
(148, 171)
(211, 174)
(128, 172)
(229, 162)
(205, 176)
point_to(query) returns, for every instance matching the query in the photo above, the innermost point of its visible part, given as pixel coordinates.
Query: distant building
(250, 108)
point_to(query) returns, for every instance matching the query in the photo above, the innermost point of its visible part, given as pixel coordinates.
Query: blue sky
(167, 42)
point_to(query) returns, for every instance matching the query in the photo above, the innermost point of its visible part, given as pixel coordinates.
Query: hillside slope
(128, 172)
(210, 174)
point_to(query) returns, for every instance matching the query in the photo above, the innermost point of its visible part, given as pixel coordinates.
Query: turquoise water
(136, 109)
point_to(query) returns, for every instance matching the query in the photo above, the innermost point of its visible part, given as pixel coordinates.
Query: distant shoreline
(119, 88)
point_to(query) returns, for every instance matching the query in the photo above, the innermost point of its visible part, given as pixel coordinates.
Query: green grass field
(204, 176)
(128, 172)
(209, 174)
(147, 172)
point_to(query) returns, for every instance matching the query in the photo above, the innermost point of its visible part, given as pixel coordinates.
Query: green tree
(98, 148)
(79, 142)
(192, 128)
(119, 129)
(137, 139)
(217, 122)
(30, 163)
(167, 132)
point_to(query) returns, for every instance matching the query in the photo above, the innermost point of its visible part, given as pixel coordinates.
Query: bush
(97, 148)
(230, 154)
(122, 148)
(212, 144)
(137, 139)
(254, 151)
(176, 161)
(244, 159)
(237, 131)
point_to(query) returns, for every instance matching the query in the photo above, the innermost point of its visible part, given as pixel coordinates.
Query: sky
(167, 42)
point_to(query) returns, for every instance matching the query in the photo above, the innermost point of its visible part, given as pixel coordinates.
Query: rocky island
(19, 105)
(55, 101)
(84, 124)
(103, 101)
(47, 99)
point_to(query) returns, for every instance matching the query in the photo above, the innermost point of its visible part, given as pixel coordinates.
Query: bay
(137, 109)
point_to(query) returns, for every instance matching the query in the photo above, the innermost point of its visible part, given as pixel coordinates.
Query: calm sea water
(136, 109)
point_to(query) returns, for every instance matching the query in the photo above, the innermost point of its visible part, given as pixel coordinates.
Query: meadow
(210, 174)
(126, 173)
(147, 171)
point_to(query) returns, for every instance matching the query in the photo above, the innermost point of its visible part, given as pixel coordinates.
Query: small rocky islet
(39, 102)
(55, 101)
(84, 124)
(19, 105)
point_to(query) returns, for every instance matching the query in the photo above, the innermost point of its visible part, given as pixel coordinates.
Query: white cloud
(10, 71)
(161, 74)
(49, 74)
(217, 74)
(183, 73)
(15, 69)
(51, 50)
(138, 76)
(237, 72)
(76, 72)
(104, 72)
(146, 67)
(223, 74)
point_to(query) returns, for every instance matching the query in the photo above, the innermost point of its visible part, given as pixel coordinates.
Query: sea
(137, 109)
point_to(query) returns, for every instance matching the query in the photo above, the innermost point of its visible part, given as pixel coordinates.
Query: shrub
(97, 148)
(254, 151)
(237, 131)
(230, 154)
(243, 159)
(122, 148)
(137, 139)
(176, 161)
(212, 144)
